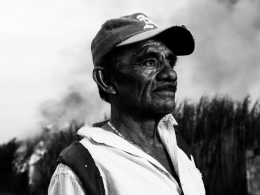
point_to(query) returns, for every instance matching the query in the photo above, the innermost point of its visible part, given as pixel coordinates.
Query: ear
(102, 78)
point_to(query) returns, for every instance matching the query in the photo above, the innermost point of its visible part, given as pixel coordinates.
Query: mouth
(166, 88)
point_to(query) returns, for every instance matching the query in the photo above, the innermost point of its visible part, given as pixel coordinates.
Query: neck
(136, 127)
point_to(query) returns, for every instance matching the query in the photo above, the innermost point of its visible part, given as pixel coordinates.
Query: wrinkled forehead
(137, 47)
(155, 45)
(152, 42)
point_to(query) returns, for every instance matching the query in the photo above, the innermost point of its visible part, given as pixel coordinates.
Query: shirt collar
(101, 136)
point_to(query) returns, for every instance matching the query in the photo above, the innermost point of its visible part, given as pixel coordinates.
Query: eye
(172, 63)
(150, 62)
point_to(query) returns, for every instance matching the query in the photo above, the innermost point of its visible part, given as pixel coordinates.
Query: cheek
(145, 81)
(137, 85)
(136, 78)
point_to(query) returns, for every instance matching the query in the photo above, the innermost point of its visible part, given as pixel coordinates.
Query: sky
(46, 63)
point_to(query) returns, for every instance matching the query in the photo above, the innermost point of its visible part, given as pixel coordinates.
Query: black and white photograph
(130, 97)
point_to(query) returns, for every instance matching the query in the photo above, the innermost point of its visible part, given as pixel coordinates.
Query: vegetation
(55, 142)
(217, 130)
(19, 175)
(10, 180)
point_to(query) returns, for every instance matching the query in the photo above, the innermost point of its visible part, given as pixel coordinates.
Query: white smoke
(226, 58)
(78, 104)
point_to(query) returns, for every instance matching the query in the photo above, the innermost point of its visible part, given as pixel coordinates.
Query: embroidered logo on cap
(148, 22)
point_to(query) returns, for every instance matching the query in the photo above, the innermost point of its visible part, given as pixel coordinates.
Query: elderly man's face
(146, 79)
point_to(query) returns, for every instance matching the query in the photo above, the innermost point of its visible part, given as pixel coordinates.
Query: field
(218, 131)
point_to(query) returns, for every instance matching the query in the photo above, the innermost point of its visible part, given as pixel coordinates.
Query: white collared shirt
(127, 170)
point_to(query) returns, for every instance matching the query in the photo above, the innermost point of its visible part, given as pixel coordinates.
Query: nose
(167, 73)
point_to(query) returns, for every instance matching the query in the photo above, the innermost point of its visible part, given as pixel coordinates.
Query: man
(137, 150)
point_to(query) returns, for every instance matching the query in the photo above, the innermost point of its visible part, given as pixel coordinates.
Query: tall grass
(55, 140)
(10, 180)
(55, 143)
(218, 132)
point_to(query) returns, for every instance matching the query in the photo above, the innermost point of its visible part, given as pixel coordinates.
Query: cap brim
(178, 38)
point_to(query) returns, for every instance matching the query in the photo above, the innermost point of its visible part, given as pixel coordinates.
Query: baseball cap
(138, 27)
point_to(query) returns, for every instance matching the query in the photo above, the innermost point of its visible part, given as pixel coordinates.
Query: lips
(166, 87)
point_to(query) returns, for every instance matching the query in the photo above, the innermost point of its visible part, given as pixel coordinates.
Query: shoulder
(64, 182)
(65, 170)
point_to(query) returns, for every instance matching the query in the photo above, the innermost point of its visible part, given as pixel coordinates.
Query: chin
(163, 108)
(164, 102)
(168, 109)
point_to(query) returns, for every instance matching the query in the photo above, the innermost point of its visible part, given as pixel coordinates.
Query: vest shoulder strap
(78, 158)
(183, 146)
